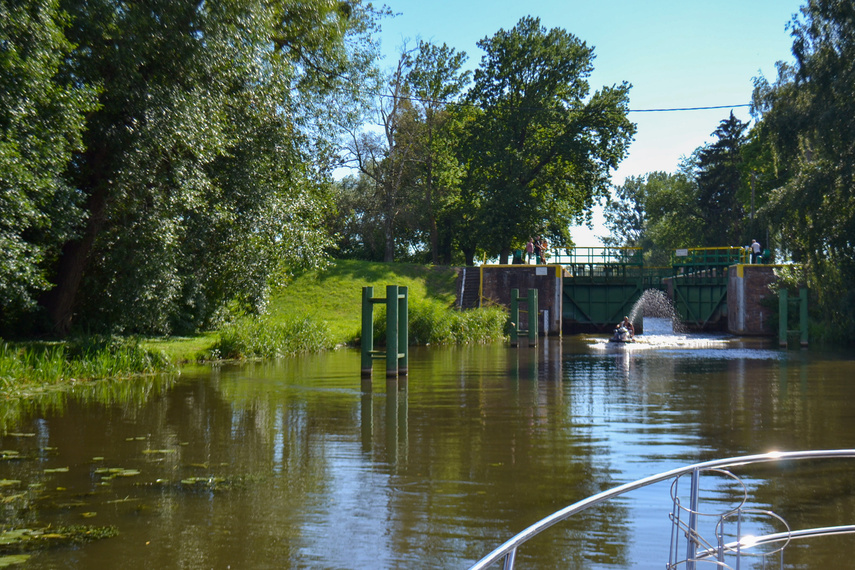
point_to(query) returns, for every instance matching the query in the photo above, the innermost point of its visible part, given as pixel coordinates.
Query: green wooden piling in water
(367, 339)
(397, 335)
(515, 316)
(391, 330)
(532, 317)
(403, 333)
(783, 316)
(516, 325)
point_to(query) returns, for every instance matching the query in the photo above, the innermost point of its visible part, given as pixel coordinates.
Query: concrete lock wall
(747, 286)
(499, 280)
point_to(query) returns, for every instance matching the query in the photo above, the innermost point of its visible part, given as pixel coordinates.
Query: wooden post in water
(783, 306)
(532, 317)
(515, 316)
(397, 335)
(403, 333)
(367, 339)
(391, 331)
(803, 315)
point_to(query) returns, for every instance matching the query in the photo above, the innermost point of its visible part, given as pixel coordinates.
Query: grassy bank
(25, 367)
(317, 310)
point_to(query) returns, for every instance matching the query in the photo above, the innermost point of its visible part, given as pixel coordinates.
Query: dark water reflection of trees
(291, 464)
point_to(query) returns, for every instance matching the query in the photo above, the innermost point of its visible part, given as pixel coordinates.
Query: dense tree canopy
(807, 122)
(42, 114)
(202, 172)
(542, 150)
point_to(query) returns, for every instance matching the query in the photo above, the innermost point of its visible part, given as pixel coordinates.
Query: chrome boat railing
(696, 549)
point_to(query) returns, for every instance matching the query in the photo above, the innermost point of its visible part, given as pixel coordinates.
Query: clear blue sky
(688, 53)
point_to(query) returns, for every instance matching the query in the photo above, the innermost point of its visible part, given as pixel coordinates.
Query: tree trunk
(503, 257)
(469, 254)
(59, 301)
(389, 249)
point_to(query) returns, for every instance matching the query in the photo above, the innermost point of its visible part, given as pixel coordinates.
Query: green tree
(540, 153)
(42, 116)
(437, 79)
(385, 156)
(720, 176)
(657, 212)
(807, 119)
(203, 173)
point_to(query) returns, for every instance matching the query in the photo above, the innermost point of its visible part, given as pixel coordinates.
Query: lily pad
(12, 559)
(9, 482)
(26, 539)
(57, 470)
(158, 451)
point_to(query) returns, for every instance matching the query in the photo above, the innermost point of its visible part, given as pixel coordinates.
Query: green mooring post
(403, 334)
(515, 316)
(783, 306)
(532, 317)
(397, 336)
(516, 325)
(367, 340)
(391, 330)
(803, 315)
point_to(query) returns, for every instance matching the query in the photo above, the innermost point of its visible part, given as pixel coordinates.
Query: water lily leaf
(12, 559)
(9, 482)
(161, 451)
(19, 434)
(88, 515)
(57, 470)
(97, 459)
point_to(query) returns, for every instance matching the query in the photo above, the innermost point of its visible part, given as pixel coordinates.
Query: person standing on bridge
(529, 250)
(755, 252)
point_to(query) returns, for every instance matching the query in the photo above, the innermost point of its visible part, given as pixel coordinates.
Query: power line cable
(654, 110)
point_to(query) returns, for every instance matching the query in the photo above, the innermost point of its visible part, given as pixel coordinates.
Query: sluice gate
(592, 289)
(601, 285)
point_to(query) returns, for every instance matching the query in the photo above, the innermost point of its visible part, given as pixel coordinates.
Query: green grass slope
(334, 294)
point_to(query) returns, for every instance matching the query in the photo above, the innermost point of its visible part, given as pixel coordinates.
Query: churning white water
(661, 327)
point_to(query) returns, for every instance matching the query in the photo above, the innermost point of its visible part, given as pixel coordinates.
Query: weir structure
(592, 289)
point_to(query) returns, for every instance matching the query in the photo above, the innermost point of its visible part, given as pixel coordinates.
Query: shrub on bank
(260, 337)
(92, 358)
(430, 322)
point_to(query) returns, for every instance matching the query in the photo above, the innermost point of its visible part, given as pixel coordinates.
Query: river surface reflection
(292, 465)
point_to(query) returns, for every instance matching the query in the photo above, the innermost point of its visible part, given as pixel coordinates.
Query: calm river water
(291, 465)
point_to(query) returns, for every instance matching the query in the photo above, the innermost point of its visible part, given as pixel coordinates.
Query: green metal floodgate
(601, 285)
(700, 285)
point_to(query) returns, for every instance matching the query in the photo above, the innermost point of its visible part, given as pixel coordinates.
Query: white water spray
(656, 304)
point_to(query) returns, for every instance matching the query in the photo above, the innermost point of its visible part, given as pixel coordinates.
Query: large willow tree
(808, 123)
(202, 172)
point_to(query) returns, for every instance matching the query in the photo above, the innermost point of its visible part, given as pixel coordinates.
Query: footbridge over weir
(591, 289)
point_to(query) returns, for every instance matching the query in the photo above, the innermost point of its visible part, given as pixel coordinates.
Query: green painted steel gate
(601, 285)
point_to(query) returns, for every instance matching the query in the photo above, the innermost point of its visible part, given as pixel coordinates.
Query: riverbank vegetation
(35, 365)
(316, 310)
